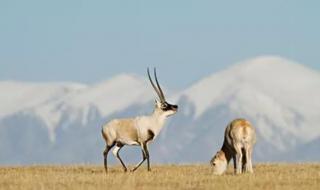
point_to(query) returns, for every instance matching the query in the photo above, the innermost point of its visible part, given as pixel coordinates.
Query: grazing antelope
(139, 130)
(239, 139)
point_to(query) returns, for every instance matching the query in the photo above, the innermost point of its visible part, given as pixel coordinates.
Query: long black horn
(160, 90)
(154, 87)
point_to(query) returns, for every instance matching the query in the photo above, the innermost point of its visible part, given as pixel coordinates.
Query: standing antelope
(239, 139)
(139, 130)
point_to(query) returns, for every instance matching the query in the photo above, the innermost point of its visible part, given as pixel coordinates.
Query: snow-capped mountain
(280, 97)
(61, 122)
(51, 102)
(273, 91)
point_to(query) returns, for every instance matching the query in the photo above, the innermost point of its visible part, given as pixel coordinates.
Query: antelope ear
(157, 102)
(220, 155)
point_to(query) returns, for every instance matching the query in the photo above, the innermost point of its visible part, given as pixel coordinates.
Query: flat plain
(266, 176)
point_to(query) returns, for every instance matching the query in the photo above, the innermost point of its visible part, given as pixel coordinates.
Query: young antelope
(239, 139)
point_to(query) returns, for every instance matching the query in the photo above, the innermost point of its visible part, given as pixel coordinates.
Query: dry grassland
(266, 176)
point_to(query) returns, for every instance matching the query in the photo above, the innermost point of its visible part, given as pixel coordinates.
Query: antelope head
(162, 105)
(219, 163)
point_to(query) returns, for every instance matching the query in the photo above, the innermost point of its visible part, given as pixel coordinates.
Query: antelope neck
(227, 152)
(158, 121)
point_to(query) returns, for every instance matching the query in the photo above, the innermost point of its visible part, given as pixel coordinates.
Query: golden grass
(266, 176)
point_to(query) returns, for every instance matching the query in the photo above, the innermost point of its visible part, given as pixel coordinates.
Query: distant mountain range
(61, 122)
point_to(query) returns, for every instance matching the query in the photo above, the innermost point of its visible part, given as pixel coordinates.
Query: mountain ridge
(269, 91)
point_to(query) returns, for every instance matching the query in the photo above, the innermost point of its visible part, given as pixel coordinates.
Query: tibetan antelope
(139, 130)
(239, 139)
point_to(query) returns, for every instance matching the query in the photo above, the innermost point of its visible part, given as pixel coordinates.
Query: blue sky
(90, 41)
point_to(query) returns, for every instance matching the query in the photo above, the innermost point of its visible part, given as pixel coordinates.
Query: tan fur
(125, 129)
(239, 140)
(241, 128)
